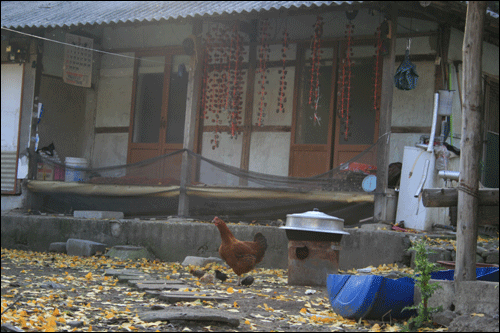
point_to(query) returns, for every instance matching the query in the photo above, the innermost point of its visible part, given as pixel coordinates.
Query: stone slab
(174, 297)
(159, 286)
(97, 214)
(113, 271)
(58, 247)
(155, 281)
(83, 248)
(125, 252)
(190, 314)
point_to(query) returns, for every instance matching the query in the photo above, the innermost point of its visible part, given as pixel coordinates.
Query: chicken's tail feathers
(262, 241)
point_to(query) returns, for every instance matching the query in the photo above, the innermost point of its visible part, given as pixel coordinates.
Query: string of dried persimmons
(263, 59)
(345, 83)
(315, 65)
(283, 72)
(222, 79)
(377, 73)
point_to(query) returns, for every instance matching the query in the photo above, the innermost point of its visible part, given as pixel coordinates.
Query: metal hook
(408, 44)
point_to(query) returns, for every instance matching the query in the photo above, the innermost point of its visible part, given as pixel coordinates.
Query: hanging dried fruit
(378, 46)
(283, 72)
(345, 82)
(315, 66)
(263, 59)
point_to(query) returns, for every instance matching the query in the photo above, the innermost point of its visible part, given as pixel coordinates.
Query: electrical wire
(81, 47)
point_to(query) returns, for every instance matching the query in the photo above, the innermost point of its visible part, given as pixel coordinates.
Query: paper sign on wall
(77, 69)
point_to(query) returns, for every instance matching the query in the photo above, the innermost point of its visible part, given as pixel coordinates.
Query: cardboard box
(45, 172)
(49, 172)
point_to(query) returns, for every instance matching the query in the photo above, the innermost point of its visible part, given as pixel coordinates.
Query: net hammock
(152, 187)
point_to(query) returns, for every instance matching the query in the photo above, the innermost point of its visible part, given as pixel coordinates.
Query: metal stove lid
(315, 214)
(317, 230)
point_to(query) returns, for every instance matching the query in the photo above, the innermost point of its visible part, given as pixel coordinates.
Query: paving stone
(129, 252)
(113, 271)
(174, 297)
(83, 248)
(156, 281)
(126, 278)
(159, 286)
(197, 314)
(58, 247)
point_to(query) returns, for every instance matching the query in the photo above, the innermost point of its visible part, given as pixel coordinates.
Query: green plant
(422, 275)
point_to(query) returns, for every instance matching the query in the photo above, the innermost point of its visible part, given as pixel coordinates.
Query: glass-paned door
(158, 107)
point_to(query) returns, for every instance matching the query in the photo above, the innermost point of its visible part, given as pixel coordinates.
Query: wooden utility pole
(380, 205)
(194, 82)
(471, 145)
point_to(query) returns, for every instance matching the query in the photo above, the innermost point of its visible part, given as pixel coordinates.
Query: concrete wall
(173, 241)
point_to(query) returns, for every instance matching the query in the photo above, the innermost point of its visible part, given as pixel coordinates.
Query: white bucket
(445, 102)
(73, 175)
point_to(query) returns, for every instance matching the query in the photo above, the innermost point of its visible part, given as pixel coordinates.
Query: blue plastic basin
(371, 296)
(377, 297)
(482, 274)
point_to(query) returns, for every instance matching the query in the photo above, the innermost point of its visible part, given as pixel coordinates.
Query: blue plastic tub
(376, 297)
(482, 274)
(370, 297)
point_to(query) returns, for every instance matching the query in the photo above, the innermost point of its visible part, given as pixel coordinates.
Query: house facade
(290, 89)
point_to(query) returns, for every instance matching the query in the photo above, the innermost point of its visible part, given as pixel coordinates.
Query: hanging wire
(82, 47)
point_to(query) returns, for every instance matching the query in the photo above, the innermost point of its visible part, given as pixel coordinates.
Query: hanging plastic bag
(406, 75)
(442, 157)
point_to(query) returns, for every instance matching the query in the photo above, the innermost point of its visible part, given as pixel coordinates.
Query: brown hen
(240, 256)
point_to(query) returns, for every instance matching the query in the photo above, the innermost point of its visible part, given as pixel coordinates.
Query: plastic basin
(370, 297)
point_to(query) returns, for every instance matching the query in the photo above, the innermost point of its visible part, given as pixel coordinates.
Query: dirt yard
(56, 292)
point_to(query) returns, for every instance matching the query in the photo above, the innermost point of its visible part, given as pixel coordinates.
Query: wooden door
(311, 142)
(158, 109)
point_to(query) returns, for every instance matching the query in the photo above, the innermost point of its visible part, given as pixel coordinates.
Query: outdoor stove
(313, 247)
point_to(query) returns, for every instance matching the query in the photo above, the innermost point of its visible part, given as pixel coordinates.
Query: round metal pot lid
(315, 214)
(339, 232)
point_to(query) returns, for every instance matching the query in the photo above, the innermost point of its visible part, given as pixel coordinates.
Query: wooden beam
(448, 197)
(194, 83)
(471, 144)
(380, 211)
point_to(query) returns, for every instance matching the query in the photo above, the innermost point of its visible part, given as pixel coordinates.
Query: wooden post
(247, 124)
(193, 87)
(380, 211)
(471, 145)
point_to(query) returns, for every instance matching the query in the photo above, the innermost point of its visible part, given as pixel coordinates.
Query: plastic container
(370, 297)
(482, 274)
(445, 102)
(72, 165)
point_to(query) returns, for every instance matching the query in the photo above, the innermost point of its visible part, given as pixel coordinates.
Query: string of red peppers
(345, 97)
(315, 65)
(378, 46)
(283, 72)
(263, 58)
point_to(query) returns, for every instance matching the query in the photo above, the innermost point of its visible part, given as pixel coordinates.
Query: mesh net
(152, 187)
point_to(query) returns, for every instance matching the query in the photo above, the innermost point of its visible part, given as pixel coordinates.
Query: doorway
(158, 106)
(317, 147)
